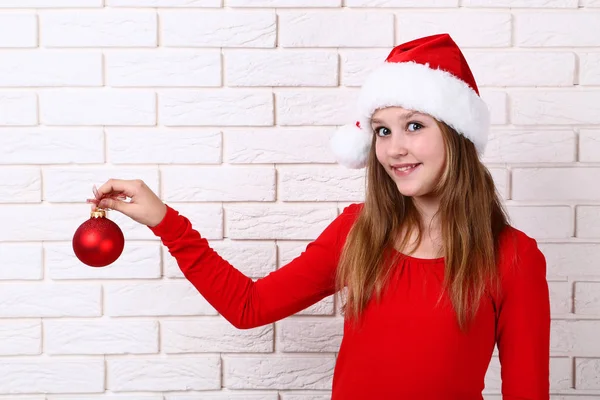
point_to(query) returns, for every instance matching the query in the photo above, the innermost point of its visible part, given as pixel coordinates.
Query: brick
(138, 261)
(278, 372)
(46, 4)
(522, 69)
(31, 301)
(30, 145)
(226, 395)
(557, 107)
(589, 68)
(332, 28)
(22, 261)
(218, 28)
(91, 107)
(210, 335)
(164, 3)
(105, 28)
(521, 3)
(20, 185)
(154, 299)
(284, 3)
(56, 68)
(164, 67)
(18, 108)
(74, 184)
(557, 184)
(587, 298)
(288, 250)
(318, 335)
(588, 222)
(320, 184)
(498, 105)
(402, 3)
(41, 222)
(218, 183)
(560, 297)
(279, 145)
(493, 28)
(20, 338)
(549, 222)
(577, 338)
(560, 374)
(160, 374)
(274, 221)
(315, 107)
(530, 146)
(253, 259)
(177, 145)
(312, 395)
(550, 29)
(357, 64)
(112, 397)
(323, 307)
(587, 373)
(572, 259)
(51, 376)
(500, 177)
(281, 68)
(100, 337)
(18, 29)
(589, 145)
(223, 107)
(206, 218)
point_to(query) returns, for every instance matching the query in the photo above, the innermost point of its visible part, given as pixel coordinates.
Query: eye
(382, 131)
(413, 126)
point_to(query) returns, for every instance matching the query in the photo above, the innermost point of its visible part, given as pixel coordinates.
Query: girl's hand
(144, 206)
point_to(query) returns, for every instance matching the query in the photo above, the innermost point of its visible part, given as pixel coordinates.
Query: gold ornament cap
(98, 213)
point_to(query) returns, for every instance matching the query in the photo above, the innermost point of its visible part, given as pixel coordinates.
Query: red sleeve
(245, 303)
(523, 333)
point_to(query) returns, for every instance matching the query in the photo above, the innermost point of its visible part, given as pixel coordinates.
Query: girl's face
(410, 146)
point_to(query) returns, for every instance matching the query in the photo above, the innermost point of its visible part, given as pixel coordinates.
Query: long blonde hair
(471, 216)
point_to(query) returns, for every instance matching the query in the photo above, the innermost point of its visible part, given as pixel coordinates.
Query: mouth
(405, 169)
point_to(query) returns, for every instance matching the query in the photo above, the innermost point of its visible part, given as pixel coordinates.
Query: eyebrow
(403, 117)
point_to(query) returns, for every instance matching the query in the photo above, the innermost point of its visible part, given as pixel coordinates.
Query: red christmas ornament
(98, 242)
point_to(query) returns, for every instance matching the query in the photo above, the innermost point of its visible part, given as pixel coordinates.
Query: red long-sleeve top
(407, 346)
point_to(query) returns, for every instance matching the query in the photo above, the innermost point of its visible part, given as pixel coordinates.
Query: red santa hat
(429, 75)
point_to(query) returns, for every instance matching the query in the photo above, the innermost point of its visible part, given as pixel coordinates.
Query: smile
(404, 171)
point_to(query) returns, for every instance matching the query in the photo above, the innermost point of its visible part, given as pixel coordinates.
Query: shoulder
(352, 210)
(340, 227)
(350, 214)
(519, 256)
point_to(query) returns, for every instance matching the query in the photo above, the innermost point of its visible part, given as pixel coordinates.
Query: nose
(397, 145)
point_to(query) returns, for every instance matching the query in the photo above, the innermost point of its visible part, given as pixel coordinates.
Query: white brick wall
(225, 108)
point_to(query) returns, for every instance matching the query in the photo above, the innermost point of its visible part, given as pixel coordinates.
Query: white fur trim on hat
(417, 87)
(435, 92)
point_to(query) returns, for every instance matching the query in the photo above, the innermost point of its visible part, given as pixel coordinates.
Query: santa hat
(429, 75)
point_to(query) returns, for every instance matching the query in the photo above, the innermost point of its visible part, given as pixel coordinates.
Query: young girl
(433, 275)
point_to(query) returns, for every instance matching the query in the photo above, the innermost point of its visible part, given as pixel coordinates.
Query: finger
(114, 204)
(116, 186)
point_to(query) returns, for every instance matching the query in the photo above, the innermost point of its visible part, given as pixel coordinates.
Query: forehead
(395, 113)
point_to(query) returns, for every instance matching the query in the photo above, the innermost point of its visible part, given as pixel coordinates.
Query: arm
(523, 332)
(243, 302)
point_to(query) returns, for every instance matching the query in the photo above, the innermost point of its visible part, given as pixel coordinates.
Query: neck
(428, 207)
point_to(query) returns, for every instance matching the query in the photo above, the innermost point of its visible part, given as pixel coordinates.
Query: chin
(412, 191)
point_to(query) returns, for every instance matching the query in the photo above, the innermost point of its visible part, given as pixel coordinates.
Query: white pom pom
(351, 146)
